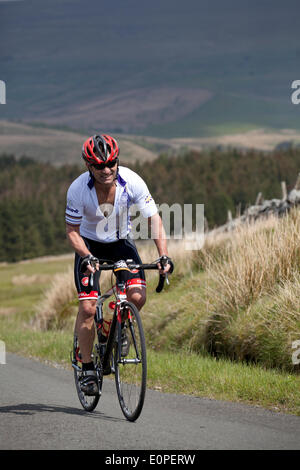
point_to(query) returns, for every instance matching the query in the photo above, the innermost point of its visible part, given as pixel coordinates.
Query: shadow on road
(33, 408)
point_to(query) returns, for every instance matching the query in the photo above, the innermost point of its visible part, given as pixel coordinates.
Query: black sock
(87, 366)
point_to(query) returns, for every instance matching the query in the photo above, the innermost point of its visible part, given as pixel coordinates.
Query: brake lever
(162, 277)
(164, 262)
(92, 274)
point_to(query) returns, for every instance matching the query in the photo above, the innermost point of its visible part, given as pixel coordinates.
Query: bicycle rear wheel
(131, 370)
(89, 403)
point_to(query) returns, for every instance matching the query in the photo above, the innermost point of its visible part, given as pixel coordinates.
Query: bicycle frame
(121, 298)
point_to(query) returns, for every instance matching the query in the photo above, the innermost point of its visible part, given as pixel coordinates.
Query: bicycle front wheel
(131, 364)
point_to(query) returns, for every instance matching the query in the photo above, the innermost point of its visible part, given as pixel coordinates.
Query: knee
(87, 310)
(137, 296)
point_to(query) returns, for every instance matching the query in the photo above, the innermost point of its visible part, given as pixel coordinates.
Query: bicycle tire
(131, 377)
(88, 403)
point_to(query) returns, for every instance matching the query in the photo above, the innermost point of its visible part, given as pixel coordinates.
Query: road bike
(125, 359)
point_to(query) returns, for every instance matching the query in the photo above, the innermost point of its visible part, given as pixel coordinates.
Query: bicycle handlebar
(162, 277)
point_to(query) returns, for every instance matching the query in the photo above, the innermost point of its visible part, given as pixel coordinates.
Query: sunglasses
(101, 166)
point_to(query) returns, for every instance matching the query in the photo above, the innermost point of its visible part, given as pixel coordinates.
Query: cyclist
(97, 225)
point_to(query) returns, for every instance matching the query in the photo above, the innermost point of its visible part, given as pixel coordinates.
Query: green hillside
(171, 69)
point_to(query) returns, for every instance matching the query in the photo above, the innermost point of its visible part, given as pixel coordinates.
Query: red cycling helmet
(100, 148)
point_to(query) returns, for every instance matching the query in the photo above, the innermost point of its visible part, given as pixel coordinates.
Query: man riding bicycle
(97, 228)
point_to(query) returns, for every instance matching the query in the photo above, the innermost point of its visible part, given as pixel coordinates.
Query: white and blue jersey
(83, 208)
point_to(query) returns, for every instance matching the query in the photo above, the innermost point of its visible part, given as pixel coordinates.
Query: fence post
(297, 185)
(238, 210)
(258, 199)
(284, 190)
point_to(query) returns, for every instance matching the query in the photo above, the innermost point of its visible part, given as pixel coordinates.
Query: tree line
(220, 179)
(33, 194)
(32, 206)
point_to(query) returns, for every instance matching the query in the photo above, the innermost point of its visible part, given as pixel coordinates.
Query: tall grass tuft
(58, 304)
(256, 258)
(253, 293)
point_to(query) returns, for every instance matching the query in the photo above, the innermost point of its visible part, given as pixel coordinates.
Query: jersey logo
(148, 198)
(72, 210)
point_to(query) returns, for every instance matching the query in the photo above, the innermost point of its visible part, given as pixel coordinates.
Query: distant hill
(168, 69)
(59, 146)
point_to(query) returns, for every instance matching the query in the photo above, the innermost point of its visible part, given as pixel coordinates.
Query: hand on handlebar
(89, 265)
(165, 265)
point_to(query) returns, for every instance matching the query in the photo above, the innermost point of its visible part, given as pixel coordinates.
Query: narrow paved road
(39, 409)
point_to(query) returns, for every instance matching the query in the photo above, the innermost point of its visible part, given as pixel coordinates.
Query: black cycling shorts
(115, 251)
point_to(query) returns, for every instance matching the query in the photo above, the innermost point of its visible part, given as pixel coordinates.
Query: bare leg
(85, 328)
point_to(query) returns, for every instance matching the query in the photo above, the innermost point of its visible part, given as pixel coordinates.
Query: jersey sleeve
(142, 198)
(74, 208)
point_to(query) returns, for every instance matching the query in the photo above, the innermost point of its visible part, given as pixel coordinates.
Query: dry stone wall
(263, 208)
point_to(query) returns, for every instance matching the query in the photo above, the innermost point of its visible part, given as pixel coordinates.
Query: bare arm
(76, 240)
(158, 235)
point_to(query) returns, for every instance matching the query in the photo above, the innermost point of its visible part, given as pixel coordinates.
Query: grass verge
(222, 379)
